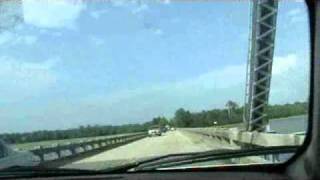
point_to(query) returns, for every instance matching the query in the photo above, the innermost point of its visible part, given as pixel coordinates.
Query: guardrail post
(232, 143)
(275, 158)
(90, 146)
(83, 146)
(41, 154)
(58, 151)
(73, 149)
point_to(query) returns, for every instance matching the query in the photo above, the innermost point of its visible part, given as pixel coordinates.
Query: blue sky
(74, 63)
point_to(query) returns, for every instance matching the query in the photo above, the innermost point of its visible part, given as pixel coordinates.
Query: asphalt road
(170, 142)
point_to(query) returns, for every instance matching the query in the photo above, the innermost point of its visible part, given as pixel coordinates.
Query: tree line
(233, 113)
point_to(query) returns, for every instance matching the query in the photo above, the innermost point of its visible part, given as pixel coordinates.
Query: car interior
(303, 165)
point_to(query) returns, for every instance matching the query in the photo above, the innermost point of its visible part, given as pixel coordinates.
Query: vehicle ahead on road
(154, 131)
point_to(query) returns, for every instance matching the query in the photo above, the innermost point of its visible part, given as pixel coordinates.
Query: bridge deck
(170, 142)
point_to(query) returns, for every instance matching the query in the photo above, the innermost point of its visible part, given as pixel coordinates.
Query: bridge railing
(58, 151)
(237, 136)
(234, 138)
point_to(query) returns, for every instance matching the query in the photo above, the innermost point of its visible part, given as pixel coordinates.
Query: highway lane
(170, 142)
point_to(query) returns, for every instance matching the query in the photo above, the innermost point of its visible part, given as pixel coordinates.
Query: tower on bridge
(261, 47)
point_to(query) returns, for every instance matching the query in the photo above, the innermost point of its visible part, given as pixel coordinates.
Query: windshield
(101, 84)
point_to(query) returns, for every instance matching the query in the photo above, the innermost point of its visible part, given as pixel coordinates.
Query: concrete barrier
(236, 136)
(237, 139)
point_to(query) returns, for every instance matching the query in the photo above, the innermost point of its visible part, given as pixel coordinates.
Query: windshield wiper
(172, 160)
(213, 155)
(128, 166)
(125, 167)
(31, 171)
(150, 164)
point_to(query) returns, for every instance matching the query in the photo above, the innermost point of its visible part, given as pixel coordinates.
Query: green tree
(231, 106)
(183, 118)
(161, 121)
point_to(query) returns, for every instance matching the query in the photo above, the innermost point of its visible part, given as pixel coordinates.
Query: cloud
(140, 8)
(135, 7)
(284, 64)
(6, 37)
(97, 14)
(20, 79)
(298, 19)
(226, 78)
(205, 91)
(52, 14)
(294, 12)
(166, 1)
(30, 40)
(290, 80)
(22, 72)
(119, 3)
(158, 32)
(297, 15)
(97, 41)
(11, 38)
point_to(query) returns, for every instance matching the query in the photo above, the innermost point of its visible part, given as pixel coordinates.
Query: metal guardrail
(74, 149)
(235, 136)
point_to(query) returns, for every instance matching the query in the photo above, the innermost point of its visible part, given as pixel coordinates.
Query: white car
(154, 132)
